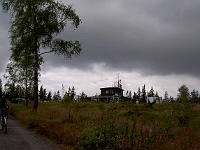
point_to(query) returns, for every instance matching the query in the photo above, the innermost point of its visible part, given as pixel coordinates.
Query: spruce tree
(144, 94)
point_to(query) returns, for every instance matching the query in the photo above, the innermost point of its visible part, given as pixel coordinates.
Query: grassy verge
(110, 126)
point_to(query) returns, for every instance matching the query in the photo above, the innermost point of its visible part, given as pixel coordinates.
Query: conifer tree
(166, 97)
(139, 95)
(143, 94)
(151, 92)
(49, 96)
(73, 93)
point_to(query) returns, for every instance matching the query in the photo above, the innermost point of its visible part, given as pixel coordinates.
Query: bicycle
(3, 117)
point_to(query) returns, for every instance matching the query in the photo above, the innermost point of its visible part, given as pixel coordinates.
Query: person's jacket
(3, 103)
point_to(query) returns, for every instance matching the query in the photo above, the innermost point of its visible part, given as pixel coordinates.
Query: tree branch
(46, 52)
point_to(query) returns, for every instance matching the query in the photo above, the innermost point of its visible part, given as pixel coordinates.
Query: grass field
(120, 126)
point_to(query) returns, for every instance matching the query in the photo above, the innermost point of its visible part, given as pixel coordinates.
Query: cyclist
(3, 106)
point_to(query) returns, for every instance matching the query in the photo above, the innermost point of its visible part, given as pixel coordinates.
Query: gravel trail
(19, 138)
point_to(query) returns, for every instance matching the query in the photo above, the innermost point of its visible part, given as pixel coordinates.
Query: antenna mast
(63, 90)
(118, 80)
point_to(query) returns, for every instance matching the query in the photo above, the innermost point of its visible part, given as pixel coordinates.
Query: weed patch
(87, 125)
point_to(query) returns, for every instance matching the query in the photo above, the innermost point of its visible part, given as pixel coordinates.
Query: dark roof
(111, 88)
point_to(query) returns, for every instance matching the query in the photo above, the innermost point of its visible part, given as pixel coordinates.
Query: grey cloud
(4, 49)
(4, 41)
(152, 37)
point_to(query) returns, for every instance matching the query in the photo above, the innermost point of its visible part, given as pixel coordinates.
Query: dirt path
(19, 138)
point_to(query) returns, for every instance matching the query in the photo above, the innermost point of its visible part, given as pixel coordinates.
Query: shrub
(183, 111)
(118, 132)
(67, 100)
(105, 135)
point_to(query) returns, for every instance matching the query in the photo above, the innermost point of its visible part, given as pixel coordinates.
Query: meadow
(90, 125)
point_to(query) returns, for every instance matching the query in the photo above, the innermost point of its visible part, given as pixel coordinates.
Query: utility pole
(118, 80)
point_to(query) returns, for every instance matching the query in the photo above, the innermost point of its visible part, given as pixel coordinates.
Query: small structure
(111, 94)
(76, 98)
(154, 99)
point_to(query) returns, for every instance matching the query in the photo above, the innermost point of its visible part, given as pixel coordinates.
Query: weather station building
(111, 94)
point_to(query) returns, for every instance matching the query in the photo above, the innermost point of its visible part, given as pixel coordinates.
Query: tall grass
(112, 126)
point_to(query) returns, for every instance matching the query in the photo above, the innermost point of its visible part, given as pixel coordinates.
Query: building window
(107, 91)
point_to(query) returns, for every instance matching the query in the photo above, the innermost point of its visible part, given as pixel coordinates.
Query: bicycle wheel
(1, 124)
(5, 128)
(5, 125)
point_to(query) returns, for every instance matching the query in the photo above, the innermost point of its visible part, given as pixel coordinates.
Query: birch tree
(34, 31)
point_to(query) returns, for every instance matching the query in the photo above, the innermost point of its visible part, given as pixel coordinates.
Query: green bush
(183, 112)
(67, 100)
(106, 135)
(117, 133)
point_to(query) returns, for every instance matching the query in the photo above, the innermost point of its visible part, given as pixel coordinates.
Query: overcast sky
(151, 42)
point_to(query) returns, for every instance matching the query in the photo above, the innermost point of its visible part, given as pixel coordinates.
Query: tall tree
(135, 96)
(19, 74)
(151, 92)
(156, 95)
(0, 88)
(73, 93)
(42, 94)
(194, 95)
(139, 95)
(34, 30)
(68, 93)
(183, 94)
(183, 108)
(82, 96)
(166, 97)
(49, 96)
(129, 94)
(56, 96)
(144, 94)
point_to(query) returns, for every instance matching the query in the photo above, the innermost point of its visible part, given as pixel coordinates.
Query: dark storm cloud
(152, 37)
(4, 41)
(3, 58)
